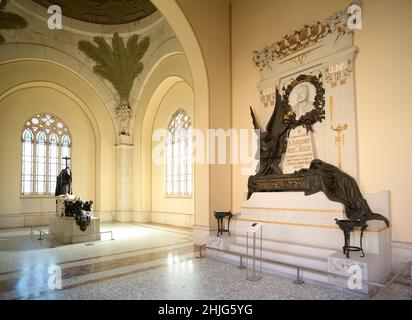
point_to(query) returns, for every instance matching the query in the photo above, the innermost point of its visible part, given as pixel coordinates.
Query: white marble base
(228, 249)
(168, 218)
(65, 230)
(221, 243)
(401, 255)
(301, 230)
(123, 216)
(24, 220)
(142, 217)
(200, 234)
(308, 220)
(372, 268)
(173, 219)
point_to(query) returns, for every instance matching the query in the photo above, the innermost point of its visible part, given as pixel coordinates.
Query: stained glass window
(45, 142)
(178, 156)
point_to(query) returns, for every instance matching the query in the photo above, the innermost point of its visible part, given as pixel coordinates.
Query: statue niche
(123, 117)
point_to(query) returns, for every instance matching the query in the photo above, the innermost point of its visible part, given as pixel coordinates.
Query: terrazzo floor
(143, 262)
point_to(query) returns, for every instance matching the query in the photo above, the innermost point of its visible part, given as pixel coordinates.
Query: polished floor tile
(143, 262)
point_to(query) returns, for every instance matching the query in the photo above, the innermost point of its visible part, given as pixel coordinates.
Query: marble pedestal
(354, 272)
(301, 230)
(66, 231)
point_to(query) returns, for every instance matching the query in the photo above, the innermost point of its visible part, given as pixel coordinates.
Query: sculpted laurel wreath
(311, 117)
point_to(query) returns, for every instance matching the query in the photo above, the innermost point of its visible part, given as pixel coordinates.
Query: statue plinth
(279, 183)
(65, 230)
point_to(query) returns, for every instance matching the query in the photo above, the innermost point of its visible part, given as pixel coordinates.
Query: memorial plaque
(299, 152)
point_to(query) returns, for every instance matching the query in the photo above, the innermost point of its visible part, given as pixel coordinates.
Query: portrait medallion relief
(301, 99)
(304, 102)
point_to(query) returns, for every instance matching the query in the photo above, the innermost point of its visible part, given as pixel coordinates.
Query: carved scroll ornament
(302, 38)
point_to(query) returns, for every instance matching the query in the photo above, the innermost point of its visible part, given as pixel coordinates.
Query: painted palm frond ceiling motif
(9, 20)
(109, 12)
(120, 64)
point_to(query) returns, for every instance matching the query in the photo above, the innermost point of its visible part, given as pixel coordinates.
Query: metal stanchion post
(200, 251)
(247, 249)
(410, 271)
(241, 263)
(261, 250)
(255, 276)
(298, 277)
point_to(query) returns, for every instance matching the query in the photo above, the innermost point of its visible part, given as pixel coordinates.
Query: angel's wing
(275, 124)
(255, 122)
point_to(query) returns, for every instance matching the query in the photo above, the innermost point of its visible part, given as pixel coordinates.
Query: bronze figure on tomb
(320, 176)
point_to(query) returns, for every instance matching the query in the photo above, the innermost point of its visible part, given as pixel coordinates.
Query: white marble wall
(168, 218)
(174, 219)
(23, 220)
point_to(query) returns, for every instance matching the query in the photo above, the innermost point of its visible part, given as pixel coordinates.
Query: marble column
(124, 181)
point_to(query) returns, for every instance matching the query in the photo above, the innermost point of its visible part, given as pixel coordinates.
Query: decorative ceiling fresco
(9, 20)
(103, 11)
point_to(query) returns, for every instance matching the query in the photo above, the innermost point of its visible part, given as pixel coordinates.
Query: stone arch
(164, 75)
(191, 47)
(68, 83)
(144, 158)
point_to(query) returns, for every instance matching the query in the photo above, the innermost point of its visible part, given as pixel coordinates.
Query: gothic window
(178, 156)
(45, 143)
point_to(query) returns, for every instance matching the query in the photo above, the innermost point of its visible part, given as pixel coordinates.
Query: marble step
(268, 266)
(313, 262)
(287, 247)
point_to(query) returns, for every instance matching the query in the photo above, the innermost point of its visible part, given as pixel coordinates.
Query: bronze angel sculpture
(272, 142)
(320, 176)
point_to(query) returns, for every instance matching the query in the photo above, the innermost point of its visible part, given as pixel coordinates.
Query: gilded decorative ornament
(339, 129)
(300, 39)
(337, 74)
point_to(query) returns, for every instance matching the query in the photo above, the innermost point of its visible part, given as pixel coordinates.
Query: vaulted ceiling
(103, 11)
